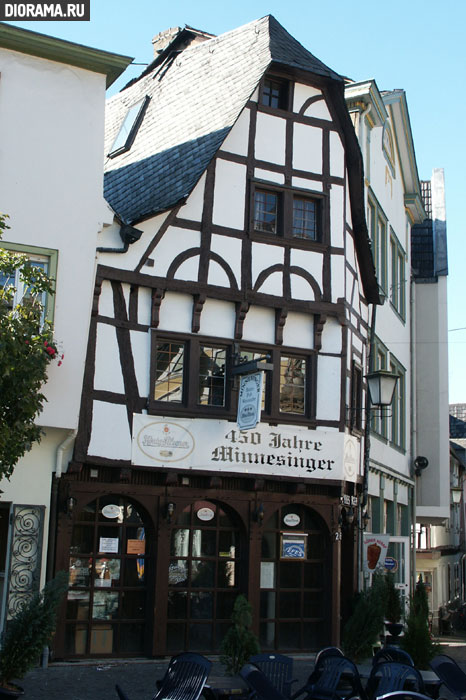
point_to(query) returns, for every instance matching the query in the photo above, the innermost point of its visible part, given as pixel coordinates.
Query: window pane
(274, 93)
(212, 376)
(265, 211)
(169, 359)
(292, 384)
(305, 218)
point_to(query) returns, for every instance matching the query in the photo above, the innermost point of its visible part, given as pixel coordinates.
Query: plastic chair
(338, 679)
(450, 674)
(390, 653)
(317, 671)
(404, 695)
(278, 669)
(259, 683)
(184, 678)
(391, 676)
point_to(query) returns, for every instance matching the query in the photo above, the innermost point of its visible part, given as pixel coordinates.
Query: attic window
(129, 127)
(275, 93)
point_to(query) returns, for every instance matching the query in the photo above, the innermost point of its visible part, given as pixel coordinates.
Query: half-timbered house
(239, 236)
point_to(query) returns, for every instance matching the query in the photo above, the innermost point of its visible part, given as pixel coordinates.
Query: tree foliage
(30, 630)
(240, 642)
(363, 628)
(26, 349)
(417, 640)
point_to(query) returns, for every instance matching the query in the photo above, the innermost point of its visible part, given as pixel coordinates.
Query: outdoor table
(224, 687)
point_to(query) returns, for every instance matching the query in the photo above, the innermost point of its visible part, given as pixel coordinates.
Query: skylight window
(129, 128)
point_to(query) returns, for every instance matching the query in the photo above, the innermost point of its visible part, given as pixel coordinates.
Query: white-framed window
(398, 276)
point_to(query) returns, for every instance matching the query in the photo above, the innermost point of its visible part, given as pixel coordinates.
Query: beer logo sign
(165, 442)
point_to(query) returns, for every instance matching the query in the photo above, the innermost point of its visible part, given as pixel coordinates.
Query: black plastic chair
(317, 671)
(404, 695)
(278, 669)
(390, 653)
(259, 683)
(338, 679)
(184, 678)
(450, 674)
(391, 676)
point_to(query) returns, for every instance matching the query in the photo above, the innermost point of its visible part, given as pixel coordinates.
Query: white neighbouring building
(52, 96)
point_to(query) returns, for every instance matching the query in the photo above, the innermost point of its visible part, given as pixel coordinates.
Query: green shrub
(30, 630)
(417, 640)
(393, 609)
(240, 641)
(363, 628)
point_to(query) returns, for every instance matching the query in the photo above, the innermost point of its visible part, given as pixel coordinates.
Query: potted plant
(363, 628)
(240, 642)
(417, 640)
(393, 607)
(27, 633)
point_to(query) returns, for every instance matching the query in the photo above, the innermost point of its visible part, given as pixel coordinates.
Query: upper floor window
(398, 281)
(275, 92)
(283, 212)
(398, 409)
(377, 224)
(129, 128)
(43, 258)
(356, 405)
(191, 374)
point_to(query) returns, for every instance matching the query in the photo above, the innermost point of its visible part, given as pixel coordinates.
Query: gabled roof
(195, 100)
(48, 47)
(196, 96)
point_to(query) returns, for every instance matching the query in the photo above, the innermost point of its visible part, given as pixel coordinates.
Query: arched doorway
(295, 580)
(108, 564)
(204, 576)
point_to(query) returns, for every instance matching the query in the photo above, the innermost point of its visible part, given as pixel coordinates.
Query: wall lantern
(456, 493)
(259, 513)
(381, 386)
(70, 504)
(169, 511)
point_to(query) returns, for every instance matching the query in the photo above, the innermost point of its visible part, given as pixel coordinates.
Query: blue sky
(415, 45)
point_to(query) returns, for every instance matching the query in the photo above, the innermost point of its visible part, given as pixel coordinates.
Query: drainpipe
(413, 427)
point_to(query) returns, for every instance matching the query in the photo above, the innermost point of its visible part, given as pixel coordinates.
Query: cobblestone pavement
(96, 680)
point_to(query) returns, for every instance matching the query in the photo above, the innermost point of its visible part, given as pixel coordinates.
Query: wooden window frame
(284, 93)
(398, 417)
(286, 197)
(356, 398)
(189, 406)
(378, 227)
(398, 277)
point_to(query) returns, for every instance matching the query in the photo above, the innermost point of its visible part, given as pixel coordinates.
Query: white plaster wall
(259, 325)
(301, 289)
(218, 319)
(110, 238)
(402, 496)
(217, 275)
(328, 388)
(108, 375)
(331, 336)
(229, 249)
(303, 93)
(263, 257)
(106, 306)
(229, 194)
(306, 184)
(310, 261)
(299, 330)
(307, 148)
(140, 347)
(176, 312)
(174, 241)
(192, 210)
(110, 435)
(144, 306)
(318, 110)
(337, 216)
(237, 139)
(338, 277)
(273, 284)
(270, 176)
(189, 269)
(337, 155)
(51, 142)
(270, 138)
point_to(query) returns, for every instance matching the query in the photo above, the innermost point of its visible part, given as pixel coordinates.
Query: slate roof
(196, 98)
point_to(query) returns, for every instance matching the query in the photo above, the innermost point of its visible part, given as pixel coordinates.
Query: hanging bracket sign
(249, 400)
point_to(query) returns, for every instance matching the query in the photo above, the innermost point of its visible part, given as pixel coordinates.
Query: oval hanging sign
(291, 519)
(111, 511)
(205, 514)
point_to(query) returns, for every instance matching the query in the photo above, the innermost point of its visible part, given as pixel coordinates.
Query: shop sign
(136, 547)
(219, 445)
(374, 552)
(293, 546)
(205, 514)
(291, 519)
(391, 564)
(249, 400)
(111, 511)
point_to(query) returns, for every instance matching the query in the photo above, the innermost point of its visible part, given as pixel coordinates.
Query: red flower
(51, 351)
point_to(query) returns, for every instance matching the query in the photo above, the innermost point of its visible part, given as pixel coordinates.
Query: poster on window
(293, 546)
(375, 549)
